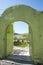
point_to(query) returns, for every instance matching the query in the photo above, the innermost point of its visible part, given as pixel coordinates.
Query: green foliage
(21, 44)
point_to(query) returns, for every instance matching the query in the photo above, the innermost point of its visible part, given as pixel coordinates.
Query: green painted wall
(33, 18)
(9, 38)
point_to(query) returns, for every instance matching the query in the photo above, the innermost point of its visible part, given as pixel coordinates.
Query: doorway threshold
(20, 59)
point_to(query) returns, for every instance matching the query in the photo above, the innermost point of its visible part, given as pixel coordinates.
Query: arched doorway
(21, 38)
(10, 42)
(12, 14)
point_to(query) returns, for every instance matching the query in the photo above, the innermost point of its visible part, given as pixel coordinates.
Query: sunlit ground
(21, 51)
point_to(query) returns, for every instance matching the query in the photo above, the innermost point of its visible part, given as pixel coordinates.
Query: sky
(20, 27)
(36, 4)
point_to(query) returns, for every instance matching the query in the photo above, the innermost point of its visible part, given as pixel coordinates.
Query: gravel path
(21, 51)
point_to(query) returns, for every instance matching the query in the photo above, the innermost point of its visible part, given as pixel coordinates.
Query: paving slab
(20, 59)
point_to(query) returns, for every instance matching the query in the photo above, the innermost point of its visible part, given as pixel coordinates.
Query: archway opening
(21, 38)
(19, 43)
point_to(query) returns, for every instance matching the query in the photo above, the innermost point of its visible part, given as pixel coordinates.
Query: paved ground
(6, 62)
(21, 51)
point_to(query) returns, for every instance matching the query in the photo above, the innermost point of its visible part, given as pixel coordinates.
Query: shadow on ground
(20, 59)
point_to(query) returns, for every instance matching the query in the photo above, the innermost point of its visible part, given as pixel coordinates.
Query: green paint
(33, 18)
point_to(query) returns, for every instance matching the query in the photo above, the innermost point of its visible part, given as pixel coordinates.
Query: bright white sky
(20, 27)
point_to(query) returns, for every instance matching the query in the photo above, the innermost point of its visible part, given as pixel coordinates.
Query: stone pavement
(21, 56)
(21, 51)
(6, 62)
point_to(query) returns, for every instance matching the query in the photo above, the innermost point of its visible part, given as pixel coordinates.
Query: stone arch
(12, 14)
